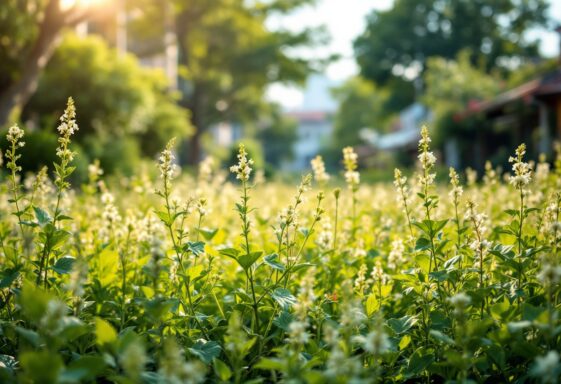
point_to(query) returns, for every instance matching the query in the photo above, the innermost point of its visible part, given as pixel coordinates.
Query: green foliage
(451, 85)
(361, 105)
(455, 283)
(126, 110)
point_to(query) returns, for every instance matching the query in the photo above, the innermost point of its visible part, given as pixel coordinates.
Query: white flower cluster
(168, 168)
(318, 167)
(68, 124)
(490, 178)
(460, 301)
(479, 245)
(396, 257)
(14, 135)
(457, 190)
(324, 238)
(243, 168)
(426, 158)
(350, 160)
(522, 170)
(175, 370)
(306, 294)
(66, 129)
(297, 332)
(110, 213)
(550, 274)
(378, 275)
(205, 169)
(360, 281)
(375, 342)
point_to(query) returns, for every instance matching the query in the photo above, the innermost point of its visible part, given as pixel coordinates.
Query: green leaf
(270, 364)
(404, 342)
(283, 320)
(402, 324)
(419, 361)
(222, 370)
(58, 239)
(104, 332)
(229, 252)
(246, 261)
(196, 248)
(41, 367)
(206, 350)
(283, 297)
(422, 244)
(8, 276)
(64, 265)
(372, 304)
(273, 261)
(208, 234)
(42, 216)
(441, 337)
(84, 368)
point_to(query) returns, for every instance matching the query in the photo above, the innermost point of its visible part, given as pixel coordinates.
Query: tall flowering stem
(242, 170)
(352, 178)
(456, 195)
(14, 137)
(400, 183)
(480, 245)
(521, 178)
(426, 179)
(63, 170)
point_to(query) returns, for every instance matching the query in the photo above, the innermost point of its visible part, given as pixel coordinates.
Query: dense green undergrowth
(192, 280)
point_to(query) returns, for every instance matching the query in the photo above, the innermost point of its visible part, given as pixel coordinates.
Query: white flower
(15, 134)
(460, 301)
(297, 332)
(350, 158)
(318, 167)
(243, 168)
(375, 342)
(522, 170)
(68, 124)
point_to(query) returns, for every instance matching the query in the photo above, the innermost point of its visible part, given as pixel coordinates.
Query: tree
(30, 29)
(277, 135)
(398, 42)
(361, 105)
(117, 99)
(228, 56)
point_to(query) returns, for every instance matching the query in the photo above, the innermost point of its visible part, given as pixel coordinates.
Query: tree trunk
(18, 93)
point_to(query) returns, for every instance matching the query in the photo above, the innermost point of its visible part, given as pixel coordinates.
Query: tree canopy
(398, 42)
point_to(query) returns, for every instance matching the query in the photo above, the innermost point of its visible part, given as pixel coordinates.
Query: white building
(315, 122)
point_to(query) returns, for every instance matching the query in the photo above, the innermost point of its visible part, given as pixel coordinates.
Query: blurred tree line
(227, 58)
(444, 54)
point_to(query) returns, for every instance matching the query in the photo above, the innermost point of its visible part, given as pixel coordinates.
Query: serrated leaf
(206, 350)
(42, 216)
(403, 324)
(441, 337)
(283, 297)
(273, 261)
(197, 248)
(283, 320)
(64, 265)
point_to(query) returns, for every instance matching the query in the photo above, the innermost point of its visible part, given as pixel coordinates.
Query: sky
(345, 20)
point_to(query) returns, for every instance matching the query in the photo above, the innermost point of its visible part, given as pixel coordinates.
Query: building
(314, 122)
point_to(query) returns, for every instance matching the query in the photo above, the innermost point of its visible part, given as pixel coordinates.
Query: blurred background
(290, 78)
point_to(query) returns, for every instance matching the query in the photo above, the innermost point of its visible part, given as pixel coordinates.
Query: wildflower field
(225, 277)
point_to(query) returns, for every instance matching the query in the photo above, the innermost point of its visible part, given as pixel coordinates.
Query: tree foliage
(398, 42)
